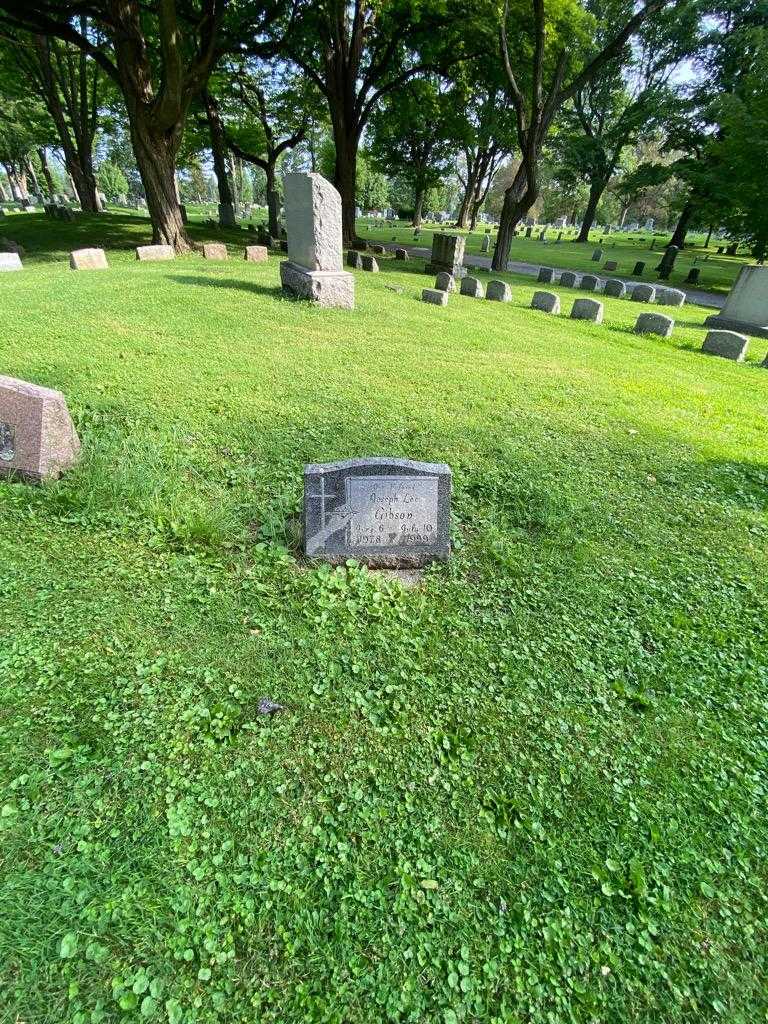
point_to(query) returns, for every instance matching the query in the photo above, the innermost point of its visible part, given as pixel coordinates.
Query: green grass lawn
(531, 789)
(717, 272)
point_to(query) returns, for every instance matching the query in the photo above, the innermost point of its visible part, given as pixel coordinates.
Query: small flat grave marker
(10, 261)
(37, 437)
(88, 259)
(256, 254)
(154, 253)
(215, 251)
(385, 513)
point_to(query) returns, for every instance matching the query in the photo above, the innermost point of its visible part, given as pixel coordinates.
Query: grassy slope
(533, 789)
(717, 272)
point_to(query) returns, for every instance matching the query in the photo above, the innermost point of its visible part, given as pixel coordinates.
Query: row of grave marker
(96, 259)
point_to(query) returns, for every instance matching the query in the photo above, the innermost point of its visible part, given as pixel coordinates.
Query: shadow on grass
(275, 291)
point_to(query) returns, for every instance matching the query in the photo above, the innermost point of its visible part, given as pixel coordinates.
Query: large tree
(356, 52)
(413, 136)
(547, 58)
(69, 82)
(160, 55)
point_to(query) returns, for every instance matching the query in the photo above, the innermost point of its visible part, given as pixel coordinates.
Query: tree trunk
(418, 208)
(709, 236)
(596, 189)
(156, 159)
(345, 177)
(84, 183)
(678, 235)
(273, 199)
(513, 210)
(46, 171)
(219, 153)
(33, 175)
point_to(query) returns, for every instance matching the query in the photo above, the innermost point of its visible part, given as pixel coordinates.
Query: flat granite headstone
(435, 296)
(215, 251)
(154, 253)
(597, 255)
(654, 323)
(547, 302)
(643, 293)
(314, 268)
(369, 263)
(568, 279)
(670, 296)
(639, 268)
(37, 437)
(256, 254)
(588, 283)
(401, 254)
(610, 265)
(385, 513)
(380, 250)
(10, 261)
(498, 291)
(472, 286)
(727, 344)
(445, 282)
(88, 259)
(615, 288)
(354, 259)
(546, 275)
(587, 309)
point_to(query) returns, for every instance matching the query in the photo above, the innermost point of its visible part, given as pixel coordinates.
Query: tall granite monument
(314, 268)
(385, 513)
(746, 308)
(447, 255)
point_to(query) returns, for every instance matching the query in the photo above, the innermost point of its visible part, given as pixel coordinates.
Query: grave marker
(746, 307)
(88, 259)
(385, 513)
(727, 344)
(10, 261)
(587, 309)
(473, 287)
(37, 437)
(215, 251)
(498, 291)
(313, 269)
(256, 254)
(654, 323)
(436, 296)
(153, 253)
(547, 302)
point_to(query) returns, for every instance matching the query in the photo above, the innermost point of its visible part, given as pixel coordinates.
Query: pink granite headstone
(215, 251)
(38, 440)
(88, 259)
(256, 253)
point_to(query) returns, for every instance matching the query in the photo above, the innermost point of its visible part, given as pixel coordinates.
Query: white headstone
(746, 308)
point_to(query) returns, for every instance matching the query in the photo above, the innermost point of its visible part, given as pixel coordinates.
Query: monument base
(446, 268)
(725, 323)
(329, 288)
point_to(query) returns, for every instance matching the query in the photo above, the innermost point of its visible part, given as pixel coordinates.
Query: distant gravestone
(614, 288)
(547, 302)
(610, 265)
(37, 437)
(445, 282)
(473, 287)
(568, 279)
(10, 261)
(354, 259)
(639, 268)
(88, 259)
(314, 268)
(727, 344)
(587, 309)
(154, 253)
(447, 255)
(486, 246)
(597, 255)
(385, 513)
(256, 254)
(528, 231)
(215, 251)
(227, 217)
(654, 323)
(498, 291)
(746, 307)
(670, 297)
(436, 296)
(643, 293)
(380, 250)
(546, 275)
(369, 263)
(693, 275)
(401, 254)
(588, 283)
